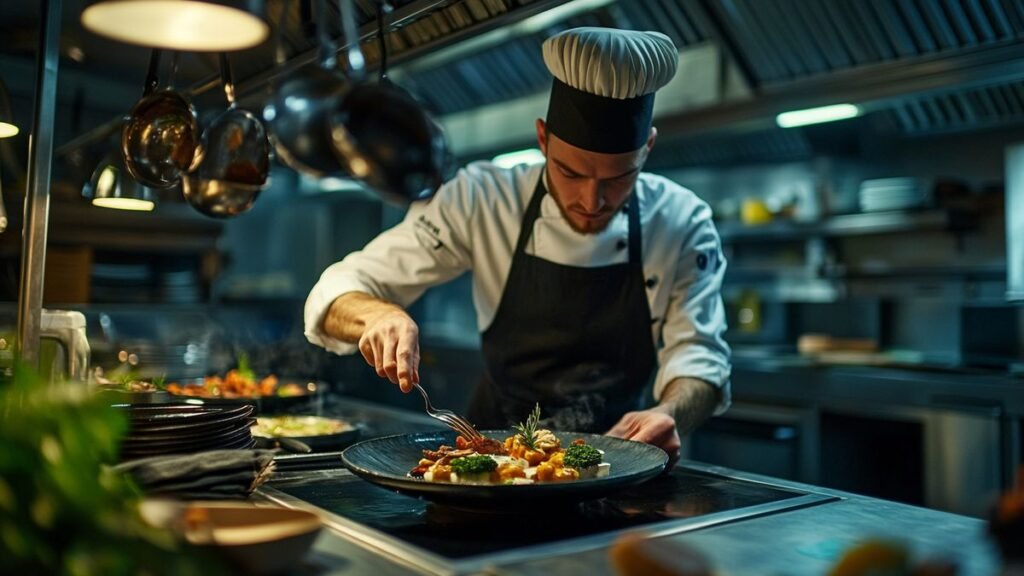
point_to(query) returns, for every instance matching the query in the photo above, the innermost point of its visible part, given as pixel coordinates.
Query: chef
(589, 276)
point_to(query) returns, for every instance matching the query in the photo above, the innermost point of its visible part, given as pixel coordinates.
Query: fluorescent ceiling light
(124, 204)
(8, 130)
(528, 156)
(817, 115)
(187, 25)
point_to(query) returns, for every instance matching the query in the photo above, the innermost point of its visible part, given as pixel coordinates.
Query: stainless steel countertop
(805, 541)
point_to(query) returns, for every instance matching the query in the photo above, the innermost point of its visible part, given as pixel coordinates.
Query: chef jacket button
(621, 245)
(652, 282)
(655, 320)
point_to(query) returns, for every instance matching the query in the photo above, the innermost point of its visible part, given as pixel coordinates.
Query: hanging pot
(298, 110)
(159, 139)
(381, 134)
(234, 159)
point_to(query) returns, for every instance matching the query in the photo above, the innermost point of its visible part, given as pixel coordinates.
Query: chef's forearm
(352, 312)
(690, 401)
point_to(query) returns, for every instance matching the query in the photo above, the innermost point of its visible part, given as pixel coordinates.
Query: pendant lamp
(186, 25)
(112, 187)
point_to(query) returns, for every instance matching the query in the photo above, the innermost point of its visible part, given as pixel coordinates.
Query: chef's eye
(568, 174)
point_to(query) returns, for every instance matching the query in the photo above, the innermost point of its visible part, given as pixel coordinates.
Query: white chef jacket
(473, 222)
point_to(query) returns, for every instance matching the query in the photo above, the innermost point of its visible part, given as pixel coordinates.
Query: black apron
(576, 340)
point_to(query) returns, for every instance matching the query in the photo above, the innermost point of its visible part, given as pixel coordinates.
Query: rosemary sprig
(527, 430)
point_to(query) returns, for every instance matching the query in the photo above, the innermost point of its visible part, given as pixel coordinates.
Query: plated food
(298, 426)
(386, 461)
(240, 384)
(529, 456)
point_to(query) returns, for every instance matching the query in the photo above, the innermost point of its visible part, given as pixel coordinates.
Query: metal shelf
(863, 224)
(171, 228)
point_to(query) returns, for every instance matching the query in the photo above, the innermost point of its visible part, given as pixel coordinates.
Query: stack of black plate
(157, 430)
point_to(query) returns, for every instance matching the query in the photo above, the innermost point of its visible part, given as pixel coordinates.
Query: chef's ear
(542, 136)
(651, 139)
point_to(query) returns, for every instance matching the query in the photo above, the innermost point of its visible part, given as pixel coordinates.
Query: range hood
(932, 65)
(929, 65)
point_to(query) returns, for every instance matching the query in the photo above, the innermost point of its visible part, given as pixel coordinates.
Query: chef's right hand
(391, 344)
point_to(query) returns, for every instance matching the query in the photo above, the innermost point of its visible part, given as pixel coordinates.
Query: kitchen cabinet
(771, 440)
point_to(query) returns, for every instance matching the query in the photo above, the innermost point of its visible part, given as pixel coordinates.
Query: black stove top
(455, 534)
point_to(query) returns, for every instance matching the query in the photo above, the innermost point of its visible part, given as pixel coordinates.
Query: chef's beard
(566, 215)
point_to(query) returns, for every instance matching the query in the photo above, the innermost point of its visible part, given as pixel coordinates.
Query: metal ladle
(234, 159)
(381, 134)
(159, 139)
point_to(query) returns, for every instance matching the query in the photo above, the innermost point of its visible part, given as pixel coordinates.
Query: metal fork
(450, 419)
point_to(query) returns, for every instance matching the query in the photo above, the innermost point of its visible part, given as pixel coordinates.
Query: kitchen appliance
(442, 540)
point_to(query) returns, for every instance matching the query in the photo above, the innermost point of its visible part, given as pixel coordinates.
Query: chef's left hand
(653, 427)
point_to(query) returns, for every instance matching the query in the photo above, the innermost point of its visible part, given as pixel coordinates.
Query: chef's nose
(593, 196)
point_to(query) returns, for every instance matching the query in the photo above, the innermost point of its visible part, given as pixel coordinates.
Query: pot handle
(350, 35)
(328, 49)
(152, 73)
(227, 80)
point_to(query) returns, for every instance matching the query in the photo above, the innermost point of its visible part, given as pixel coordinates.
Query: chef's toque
(602, 98)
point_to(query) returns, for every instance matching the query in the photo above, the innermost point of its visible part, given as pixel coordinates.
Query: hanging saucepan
(381, 134)
(159, 138)
(297, 112)
(233, 162)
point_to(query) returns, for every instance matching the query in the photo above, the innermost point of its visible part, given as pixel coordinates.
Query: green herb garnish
(159, 382)
(244, 368)
(529, 429)
(581, 456)
(476, 464)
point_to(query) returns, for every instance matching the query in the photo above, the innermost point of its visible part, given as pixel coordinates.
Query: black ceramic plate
(189, 432)
(242, 443)
(161, 416)
(387, 461)
(224, 438)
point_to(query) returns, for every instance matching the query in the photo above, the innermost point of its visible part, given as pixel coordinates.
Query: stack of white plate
(885, 194)
(181, 287)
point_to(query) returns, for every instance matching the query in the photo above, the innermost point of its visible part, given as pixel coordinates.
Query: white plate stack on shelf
(888, 194)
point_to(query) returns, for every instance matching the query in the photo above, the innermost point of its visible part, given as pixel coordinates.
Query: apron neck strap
(635, 238)
(533, 211)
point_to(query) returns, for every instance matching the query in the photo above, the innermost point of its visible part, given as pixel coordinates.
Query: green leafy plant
(62, 511)
(527, 430)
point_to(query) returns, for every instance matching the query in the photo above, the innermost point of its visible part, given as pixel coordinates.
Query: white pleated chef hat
(602, 97)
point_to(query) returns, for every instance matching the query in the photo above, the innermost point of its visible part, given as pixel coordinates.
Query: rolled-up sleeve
(693, 334)
(430, 246)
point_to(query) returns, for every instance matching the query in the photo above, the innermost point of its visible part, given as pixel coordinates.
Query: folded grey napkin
(217, 474)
